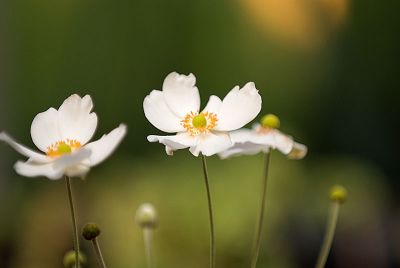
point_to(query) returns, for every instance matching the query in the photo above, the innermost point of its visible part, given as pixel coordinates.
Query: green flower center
(270, 121)
(199, 121)
(64, 149)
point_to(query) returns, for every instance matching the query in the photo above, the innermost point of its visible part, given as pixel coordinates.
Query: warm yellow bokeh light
(301, 23)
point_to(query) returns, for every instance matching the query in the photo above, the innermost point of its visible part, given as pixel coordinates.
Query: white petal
(181, 94)
(282, 142)
(159, 114)
(239, 107)
(76, 121)
(103, 147)
(33, 156)
(45, 129)
(55, 169)
(247, 148)
(175, 142)
(213, 105)
(211, 143)
(298, 151)
(247, 135)
(272, 138)
(29, 169)
(169, 150)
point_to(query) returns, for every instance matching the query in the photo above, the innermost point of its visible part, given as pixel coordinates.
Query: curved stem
(148, 238)
(210, 212)
(97, 249)
(259, 228)
(73, 218)
(329, 234)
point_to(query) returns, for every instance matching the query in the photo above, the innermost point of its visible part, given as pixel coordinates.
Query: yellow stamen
(63, 147)
(197, 124)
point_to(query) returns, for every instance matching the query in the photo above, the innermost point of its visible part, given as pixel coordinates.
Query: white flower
(263, 138)
(63, 136)
(176, 109)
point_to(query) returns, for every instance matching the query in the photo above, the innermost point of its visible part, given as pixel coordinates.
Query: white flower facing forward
(63, 136)
(262, 138)
(176, 109)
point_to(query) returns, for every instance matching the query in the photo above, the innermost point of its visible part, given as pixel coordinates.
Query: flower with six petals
(176, 109)
(63, 136)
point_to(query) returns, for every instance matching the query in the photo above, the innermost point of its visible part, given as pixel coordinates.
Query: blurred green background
(328, 68)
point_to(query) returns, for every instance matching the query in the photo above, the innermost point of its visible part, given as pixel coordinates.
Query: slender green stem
(148, 245)
(210, 211)
(260, 223)
(73, 218)
(97, 249)
(329, 234)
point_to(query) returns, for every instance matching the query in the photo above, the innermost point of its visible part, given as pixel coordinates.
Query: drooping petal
(176, 142)
(282, 142)
(181, 94)
(104, 147)
(211, 143)
(45, 129)
(159, 114)
(271, 138)
(55, 169)
(169, 150)
(247, 148)
(76, 121)
(29, 169)
(239, 107)
(33, 156)
(298, 151)
(247, 135)
(213, 105)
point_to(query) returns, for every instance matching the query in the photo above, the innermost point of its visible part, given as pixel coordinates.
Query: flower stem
(259, 228)
(329, 234)
(210, 211)
(148, 245)
(97, 249)
(74, 225)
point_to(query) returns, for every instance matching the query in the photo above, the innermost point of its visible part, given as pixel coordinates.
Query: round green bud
(69, 260)
(146, 216)
(64, 149)
(270, 121)
(338, 194)
(90, 231)
(199, 121)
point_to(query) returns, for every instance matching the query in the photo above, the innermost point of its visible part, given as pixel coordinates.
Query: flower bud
(90, 231)
(270, 121)
(146, 216)
(338, 194)
(70, 258)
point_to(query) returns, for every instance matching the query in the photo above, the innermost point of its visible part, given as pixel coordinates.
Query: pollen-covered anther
(198, 123)
(63, 147)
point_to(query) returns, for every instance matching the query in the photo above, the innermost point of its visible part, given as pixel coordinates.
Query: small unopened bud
(338, 194)
(69, 260)
(146, 216)
(90, 231)
(270, 121)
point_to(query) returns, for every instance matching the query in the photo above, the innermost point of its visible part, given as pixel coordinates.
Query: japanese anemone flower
(63, 135)
(176, 109)
(262, 138)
